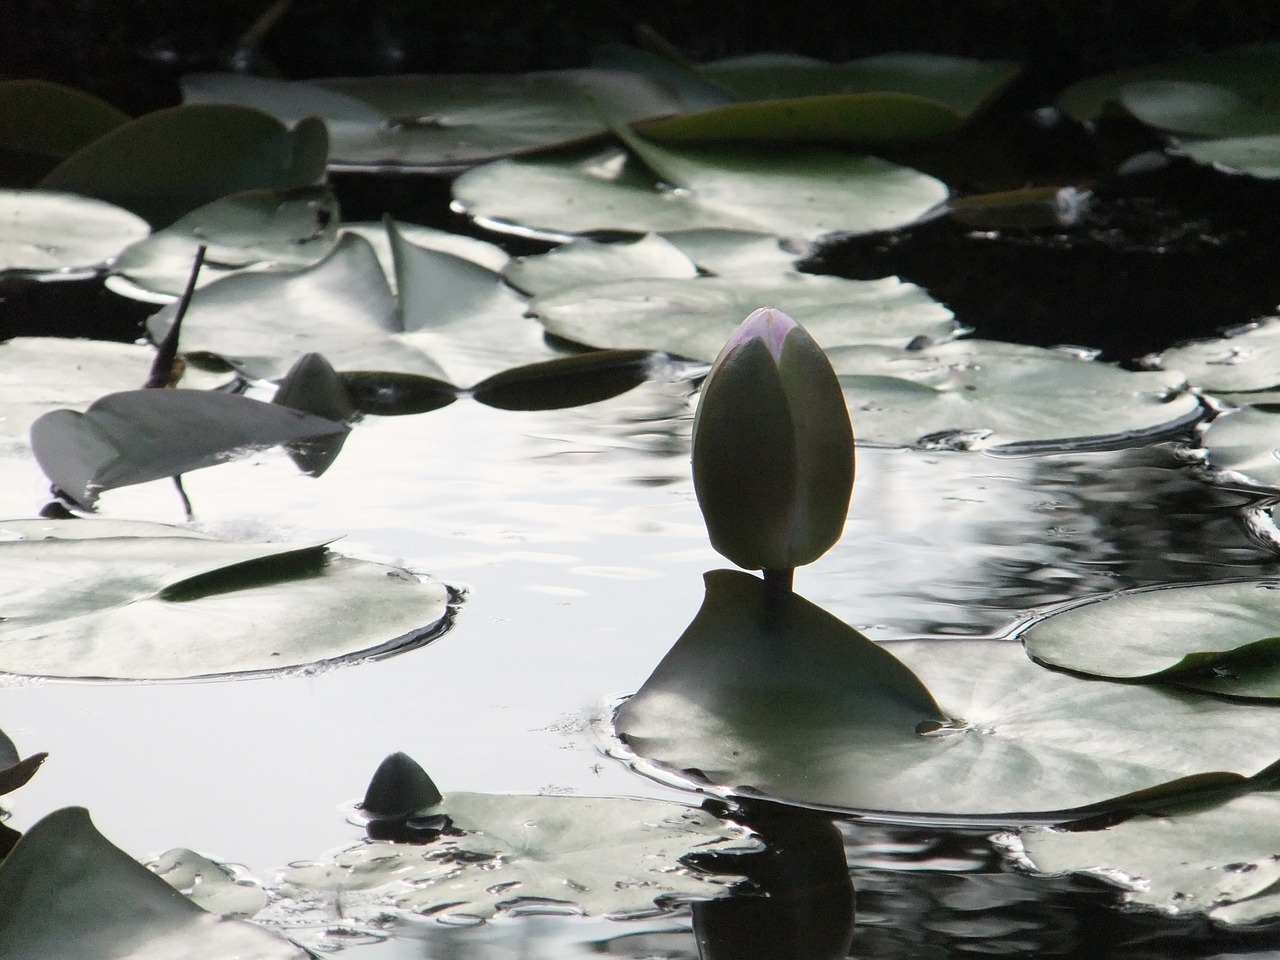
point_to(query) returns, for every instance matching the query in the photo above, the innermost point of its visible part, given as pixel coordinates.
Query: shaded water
(576, 540)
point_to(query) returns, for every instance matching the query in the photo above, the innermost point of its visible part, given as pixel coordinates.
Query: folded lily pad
(1004, 396)
(140, 435)
(67, 893)
(801, 193)
(167, 163)
(1241, 448)
(446, 120)
(1218, 637)
(259, 229)
(1218, 860)
(48, 232)
(529, 854)
(146, 601)
(1243, 359)
(567, 382)
(693, 318)
(14, 770)
(766, 694)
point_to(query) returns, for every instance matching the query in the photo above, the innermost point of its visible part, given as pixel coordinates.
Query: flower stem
(780, 579)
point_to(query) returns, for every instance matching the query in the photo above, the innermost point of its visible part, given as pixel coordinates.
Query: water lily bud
(772, 447)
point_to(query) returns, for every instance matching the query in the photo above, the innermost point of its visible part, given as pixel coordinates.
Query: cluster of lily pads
(673, 215)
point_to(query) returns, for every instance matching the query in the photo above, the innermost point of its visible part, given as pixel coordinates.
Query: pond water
(574, 542)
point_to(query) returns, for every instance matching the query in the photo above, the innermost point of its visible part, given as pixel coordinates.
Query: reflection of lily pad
(693, 318)
(66, 893)
(600, 856)
(167, 163)
(978, 393)
(802, 193)
(767, 693)
(1218, 860)
(165, 603)
(46, 232)
(447, 120)
(140, 435)
(1243, 448)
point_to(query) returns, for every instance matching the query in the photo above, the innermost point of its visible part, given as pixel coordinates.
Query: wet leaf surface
(48, 232)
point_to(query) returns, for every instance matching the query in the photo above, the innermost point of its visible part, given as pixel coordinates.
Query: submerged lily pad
(170, 162)
(767, 694)
(1004, 396)
(529, 854)
(801, 193)
(140, 435)
(45, 232)
(1218, 860)
(148, 602)
(1219, 637)
(693, 318)
(259, 229)
(446, 120)
(67, 893)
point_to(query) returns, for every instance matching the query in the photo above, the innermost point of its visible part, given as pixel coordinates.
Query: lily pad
(67, 893)
(468, 248)
(47, 232)
(1182, 108)
(1257, 156)
(585, 261)
(258, 229)
(566, 382)
(1251, 71)
(1220, 860)
(170, 162)
(960, 83)
(529, 854)
(801, 193)
(1006, 397)
(1243, 359)
(767, 694)
(47, 373)
(149, 602)
(50, 121)
(1241, 448)
(1218, 637)
(140, 435)
(447, 120)
(693, 318)
(341, 307)
(14, 770)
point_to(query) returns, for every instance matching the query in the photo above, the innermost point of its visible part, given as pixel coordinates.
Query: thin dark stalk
(186, 501)
(780, 579)
(166, 369)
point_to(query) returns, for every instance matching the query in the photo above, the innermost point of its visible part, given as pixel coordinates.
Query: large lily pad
(693, 318)
(448, 120)
(146, 601)
(170, 162)
(67, 893)
(42, 231)
(258, 229)
(802, 193)
(1220, 637)
(140, 435)
(1222, 860)
(522, 854)
(766, 693)
(1004, 396)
